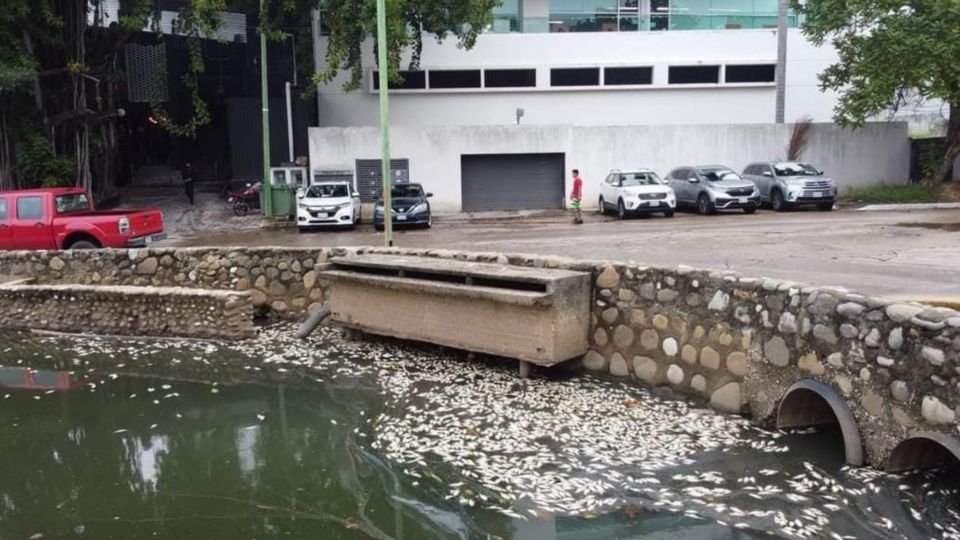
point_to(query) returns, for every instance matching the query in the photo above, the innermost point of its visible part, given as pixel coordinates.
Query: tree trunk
(6, 159)
(952, 145)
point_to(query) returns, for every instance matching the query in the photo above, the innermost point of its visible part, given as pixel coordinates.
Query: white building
(594, 63)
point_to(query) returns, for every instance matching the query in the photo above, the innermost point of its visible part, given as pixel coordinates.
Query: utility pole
(385, 120)
(781, 73)
(265, 108)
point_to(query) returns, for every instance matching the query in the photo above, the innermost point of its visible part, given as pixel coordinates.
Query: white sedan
(636, 192)
(328, 204)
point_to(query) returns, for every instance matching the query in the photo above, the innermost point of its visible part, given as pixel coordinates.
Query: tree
(353, 22)
(890, 51)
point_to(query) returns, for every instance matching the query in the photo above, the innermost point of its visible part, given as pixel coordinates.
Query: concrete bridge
(784, 353)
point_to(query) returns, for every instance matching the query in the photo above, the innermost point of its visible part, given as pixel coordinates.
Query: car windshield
(327, 191)
(68, 204)
(718, 174)
(795, 169)
(408, 191)
(640, 179)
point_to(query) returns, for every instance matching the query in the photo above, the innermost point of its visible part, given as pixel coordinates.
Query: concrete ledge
(127, 310)
(908, 206)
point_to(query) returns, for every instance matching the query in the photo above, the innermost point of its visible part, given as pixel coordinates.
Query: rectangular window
(29, 208)
(575, 77)
(510, 78)
(411, 80)
(762, 73)
(3, 209)
(694, 74)
(615, 76)
(455, 78)
(67, 204)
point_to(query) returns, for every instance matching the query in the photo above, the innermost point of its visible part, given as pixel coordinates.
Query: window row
(577, 77)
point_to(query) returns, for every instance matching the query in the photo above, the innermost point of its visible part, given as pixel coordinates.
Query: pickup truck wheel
(83, 244)
(704, 206)
(777, 202)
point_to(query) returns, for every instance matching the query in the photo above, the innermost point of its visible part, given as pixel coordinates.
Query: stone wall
(735, 342)
(119, 310)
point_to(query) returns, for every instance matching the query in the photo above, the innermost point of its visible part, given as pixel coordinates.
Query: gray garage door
(512, 181)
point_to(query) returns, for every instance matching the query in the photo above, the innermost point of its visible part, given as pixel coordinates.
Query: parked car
(411, 207)
(328, 204)
(65, 218)
(791, 183)
(709, 188)
(634, 192)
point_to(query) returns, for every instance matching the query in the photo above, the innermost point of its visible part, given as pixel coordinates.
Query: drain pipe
(316, 317)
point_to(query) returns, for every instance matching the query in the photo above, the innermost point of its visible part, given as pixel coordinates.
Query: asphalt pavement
(904, 254)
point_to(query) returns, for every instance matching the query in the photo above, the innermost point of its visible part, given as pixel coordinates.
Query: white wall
(655, 104)
(878, 153)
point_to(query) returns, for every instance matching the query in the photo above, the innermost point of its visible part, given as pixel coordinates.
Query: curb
(908, 207)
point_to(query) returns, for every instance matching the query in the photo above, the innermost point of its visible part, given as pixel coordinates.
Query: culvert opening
(925, 451)
(815, 404)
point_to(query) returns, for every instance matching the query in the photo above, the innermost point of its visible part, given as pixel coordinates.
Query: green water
(104, 439)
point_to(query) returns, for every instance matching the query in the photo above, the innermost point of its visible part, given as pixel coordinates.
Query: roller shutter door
(512, 181)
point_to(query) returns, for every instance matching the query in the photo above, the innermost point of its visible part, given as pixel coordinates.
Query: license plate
(401, 217)
(819, 194)
(743, 200)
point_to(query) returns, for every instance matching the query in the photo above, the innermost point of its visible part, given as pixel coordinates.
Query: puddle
(950, 227)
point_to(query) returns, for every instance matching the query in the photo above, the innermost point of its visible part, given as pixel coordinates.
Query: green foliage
(38, 166)
(889, 50)
(352, 22)
(915, 193)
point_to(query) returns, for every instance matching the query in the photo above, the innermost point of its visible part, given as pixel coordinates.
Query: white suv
(328, 204)
(634, 192)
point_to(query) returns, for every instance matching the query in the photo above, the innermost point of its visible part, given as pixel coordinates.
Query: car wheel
(777, 202)
(749, 211)
(241, 209)
(301, 230)
(668, 214)
(379, 228)
(601, 207)
(825, 207)
(621, 210)
(704, 206)
(429, 222)
(83, 244)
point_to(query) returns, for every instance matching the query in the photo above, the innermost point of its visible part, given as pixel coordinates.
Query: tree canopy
(890, 51)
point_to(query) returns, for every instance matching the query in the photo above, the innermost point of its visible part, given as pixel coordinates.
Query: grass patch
(915, 193)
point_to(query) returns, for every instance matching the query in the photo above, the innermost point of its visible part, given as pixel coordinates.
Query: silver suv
(791, 183)
(709, 188)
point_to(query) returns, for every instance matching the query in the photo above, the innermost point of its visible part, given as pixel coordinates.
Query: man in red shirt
(575, 197)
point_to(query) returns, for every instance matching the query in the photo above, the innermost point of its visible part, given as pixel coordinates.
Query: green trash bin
(284, 201)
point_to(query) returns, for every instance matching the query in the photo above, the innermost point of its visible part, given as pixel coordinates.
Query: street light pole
(781, 71)
(385, 120)
(265, 108)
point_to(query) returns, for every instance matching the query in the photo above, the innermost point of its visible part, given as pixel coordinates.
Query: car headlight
(341, 206)
(303, 206)
(422, 207)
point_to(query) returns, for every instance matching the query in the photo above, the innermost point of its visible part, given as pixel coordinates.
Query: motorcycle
(245, 201)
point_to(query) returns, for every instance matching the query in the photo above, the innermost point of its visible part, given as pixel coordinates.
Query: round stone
(689, 354)
(811, 364)
(932, 355)
(670, 347)
(698, 382)
(895, 340)
(835, 360)
(710, 358)
(900, 390)
(873, 339)
(650, 339)
(661, 322)
(610, 315)
(618, 366)
(594, 361)
(776, 351)
(645, 369)
(849, 331)
(737, 364)
(600, 337)
(726, 398)
(935, 412)
(608, 278)
(675, 374)
(788, 323)
(623, 336)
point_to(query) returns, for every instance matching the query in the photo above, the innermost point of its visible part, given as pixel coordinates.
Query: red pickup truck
(64, 218)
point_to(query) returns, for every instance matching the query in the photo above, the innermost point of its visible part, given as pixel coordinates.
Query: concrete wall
(659, 103)
(135, 311)
(737, 343)
(878, 153)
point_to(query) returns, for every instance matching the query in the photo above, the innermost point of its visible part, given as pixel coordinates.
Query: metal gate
(370, 176)
(512, 181)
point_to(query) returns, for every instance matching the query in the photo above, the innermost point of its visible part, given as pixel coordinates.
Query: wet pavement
(882, 253)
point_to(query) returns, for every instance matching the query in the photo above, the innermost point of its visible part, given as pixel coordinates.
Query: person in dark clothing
(188, 181)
